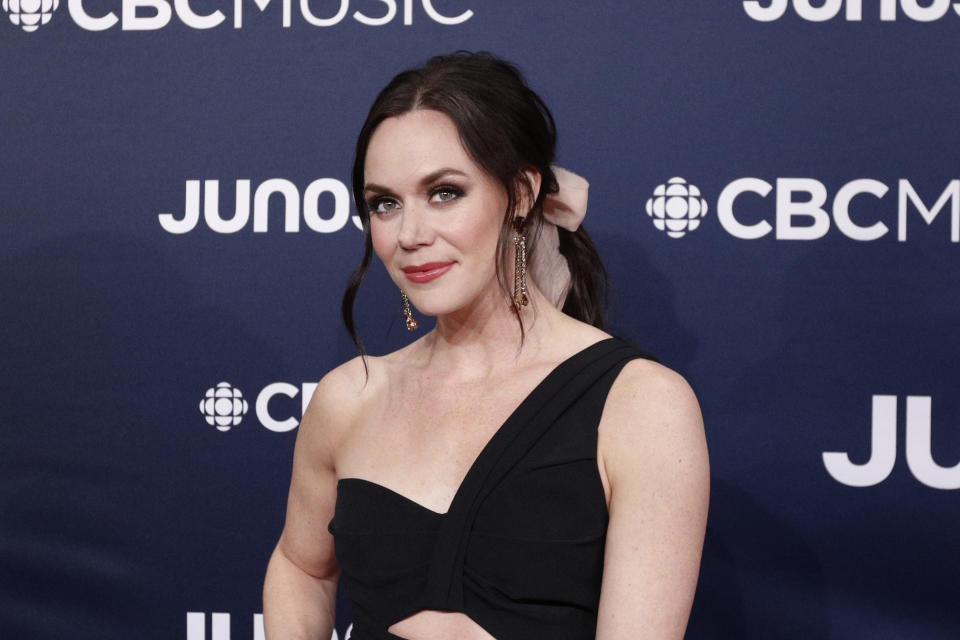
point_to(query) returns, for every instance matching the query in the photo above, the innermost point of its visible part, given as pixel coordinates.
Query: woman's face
(435, 216)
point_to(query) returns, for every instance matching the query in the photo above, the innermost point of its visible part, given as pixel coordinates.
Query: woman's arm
(296, 604)
(300, 588)
(654, 454)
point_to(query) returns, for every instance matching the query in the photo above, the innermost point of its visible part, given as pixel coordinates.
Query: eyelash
(455, 191)
(374, 204)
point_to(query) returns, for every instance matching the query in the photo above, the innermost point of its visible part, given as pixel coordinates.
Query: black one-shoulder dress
(520, 550)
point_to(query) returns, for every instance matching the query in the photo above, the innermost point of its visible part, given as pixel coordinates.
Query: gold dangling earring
(412, 323)
(520, 298)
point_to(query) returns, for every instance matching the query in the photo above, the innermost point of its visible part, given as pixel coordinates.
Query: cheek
(382, 240)
(489, 230)
(484, 226)
(475, 238)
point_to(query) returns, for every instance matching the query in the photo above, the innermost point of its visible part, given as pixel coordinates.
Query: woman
(515, 472)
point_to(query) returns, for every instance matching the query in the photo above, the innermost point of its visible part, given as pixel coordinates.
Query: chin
(437, 302)
(447, 298)
(432, 310)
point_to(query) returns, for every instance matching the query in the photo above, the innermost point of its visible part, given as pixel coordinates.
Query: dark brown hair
(505, 128)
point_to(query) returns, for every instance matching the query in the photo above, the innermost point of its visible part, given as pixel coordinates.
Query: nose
(415, 230)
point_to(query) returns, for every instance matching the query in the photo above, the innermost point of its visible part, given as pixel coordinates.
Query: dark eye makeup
(443, 193)
(446, 192)
(381, 205)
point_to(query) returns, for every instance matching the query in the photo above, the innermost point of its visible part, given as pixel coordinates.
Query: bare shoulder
(651, 417)
(332, 411)
(646, 387)
(653, 453)
(345, 379)
(338, 400)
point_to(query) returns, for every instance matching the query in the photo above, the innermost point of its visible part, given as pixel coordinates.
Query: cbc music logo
(220, 627)
(823, 10)
(29, 15)
(801, 208)
(676, 207)
(224, 407)
(313, 207)
(883, 448)
(150, 15)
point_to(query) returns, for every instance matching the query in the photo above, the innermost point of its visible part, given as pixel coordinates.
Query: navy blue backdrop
(775, 188)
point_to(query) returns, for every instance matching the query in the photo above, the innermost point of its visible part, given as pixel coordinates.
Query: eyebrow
(426, 180)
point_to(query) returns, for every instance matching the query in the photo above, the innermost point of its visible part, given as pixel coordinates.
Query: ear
(529, 189)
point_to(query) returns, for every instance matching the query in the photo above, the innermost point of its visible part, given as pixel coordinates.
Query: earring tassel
(520, 298)
(411, 322)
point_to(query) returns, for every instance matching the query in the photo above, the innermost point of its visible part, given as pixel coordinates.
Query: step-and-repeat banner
(775, 191)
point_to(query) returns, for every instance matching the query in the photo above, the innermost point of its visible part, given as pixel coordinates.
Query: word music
(150, 15)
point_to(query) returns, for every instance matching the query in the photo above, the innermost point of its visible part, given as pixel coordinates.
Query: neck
(485, 337)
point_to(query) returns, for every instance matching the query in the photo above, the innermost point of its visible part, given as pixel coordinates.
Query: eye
(383, 206)
(445, 193)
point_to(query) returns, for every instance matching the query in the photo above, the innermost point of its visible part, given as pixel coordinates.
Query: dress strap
(522, 430)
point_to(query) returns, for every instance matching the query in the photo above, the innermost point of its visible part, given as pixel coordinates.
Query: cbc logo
(917, 10)
(801, 210)
(223, 406)
(676, 207)
(220, 627)
(150, 15)
(883, 445)
(29, 15)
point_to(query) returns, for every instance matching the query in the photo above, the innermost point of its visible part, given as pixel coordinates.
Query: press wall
(775, 190)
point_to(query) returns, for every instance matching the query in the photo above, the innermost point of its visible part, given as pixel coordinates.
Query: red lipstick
(427, 271)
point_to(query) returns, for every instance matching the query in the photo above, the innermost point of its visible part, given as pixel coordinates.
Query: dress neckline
(487, 448)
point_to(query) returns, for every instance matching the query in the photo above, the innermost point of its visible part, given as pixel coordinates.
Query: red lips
(427, 271)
